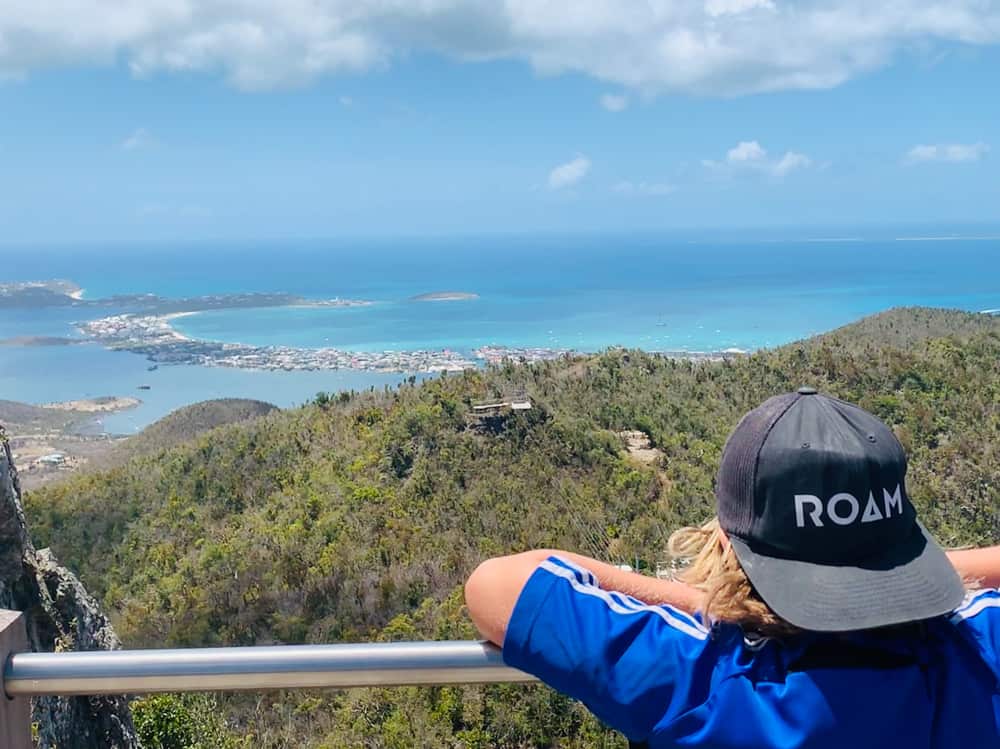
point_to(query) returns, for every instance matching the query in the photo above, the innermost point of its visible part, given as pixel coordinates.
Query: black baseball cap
(812, 493)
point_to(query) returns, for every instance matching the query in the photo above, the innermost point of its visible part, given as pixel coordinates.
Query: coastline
(168, 318)
(107, 404)
(154, 337)
(610, 299)
(324, 303)
(50, 440)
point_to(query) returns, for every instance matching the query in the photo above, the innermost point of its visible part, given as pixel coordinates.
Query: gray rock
(60, 615)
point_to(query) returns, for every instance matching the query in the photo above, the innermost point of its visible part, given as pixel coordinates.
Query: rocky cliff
(61, 615)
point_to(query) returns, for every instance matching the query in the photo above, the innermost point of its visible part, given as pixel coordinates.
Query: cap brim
(913, 580)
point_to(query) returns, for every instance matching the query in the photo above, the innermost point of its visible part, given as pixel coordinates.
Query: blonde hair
(710, 566)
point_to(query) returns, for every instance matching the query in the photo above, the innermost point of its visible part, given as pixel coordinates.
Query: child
(828, 617)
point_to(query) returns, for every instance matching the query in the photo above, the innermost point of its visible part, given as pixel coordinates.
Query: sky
(203, 119)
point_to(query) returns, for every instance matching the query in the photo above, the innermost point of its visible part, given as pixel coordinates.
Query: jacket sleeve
(633, 665)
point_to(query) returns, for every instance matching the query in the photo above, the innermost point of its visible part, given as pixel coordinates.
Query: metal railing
(255, 668)
(26, 674)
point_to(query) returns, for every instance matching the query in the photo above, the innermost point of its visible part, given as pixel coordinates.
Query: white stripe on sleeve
(582, 573)
(627, 600)
(976, 604)
(696, 631)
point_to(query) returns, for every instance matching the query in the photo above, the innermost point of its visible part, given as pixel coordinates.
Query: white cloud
(751, 156)
(139, 139)
(717, 47)
(569, 173)
(746, 151)
(614, 102)
(950, 152)
(790, 162)
(643, 189)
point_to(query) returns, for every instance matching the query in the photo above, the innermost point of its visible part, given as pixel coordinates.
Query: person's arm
(622, 658)
(493, 589)
(980, 565)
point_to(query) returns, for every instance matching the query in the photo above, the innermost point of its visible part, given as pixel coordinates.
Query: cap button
(806, 390)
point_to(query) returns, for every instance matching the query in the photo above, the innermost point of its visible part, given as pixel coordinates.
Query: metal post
(15, 712)
(257, 668)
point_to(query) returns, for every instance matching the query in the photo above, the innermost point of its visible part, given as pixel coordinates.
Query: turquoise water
(658, 293)
(593, 294)
(704, 320)
(42, 374)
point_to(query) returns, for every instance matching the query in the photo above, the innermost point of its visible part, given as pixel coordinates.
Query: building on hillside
(519, 402)
(491, 416)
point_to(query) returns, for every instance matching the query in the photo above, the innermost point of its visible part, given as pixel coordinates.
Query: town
(154, 337)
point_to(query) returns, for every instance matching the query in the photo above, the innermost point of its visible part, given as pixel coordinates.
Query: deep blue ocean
(659, 293)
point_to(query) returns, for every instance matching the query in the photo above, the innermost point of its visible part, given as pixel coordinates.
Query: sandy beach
(176, 316)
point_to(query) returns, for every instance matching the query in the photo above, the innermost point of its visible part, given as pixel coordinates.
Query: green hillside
(188, 422)
(359, 516)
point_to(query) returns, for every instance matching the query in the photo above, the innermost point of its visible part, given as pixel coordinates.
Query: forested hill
(186, 423)
(359, 516)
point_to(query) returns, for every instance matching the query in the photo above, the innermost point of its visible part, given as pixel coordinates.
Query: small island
(445, 296)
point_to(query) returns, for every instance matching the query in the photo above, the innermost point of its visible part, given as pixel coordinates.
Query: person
(824, 614)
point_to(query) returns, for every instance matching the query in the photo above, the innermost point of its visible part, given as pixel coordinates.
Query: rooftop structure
(517, 401)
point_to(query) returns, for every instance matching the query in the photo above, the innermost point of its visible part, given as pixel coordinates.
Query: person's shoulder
(634, 664)
(981, 605)
(978, 619)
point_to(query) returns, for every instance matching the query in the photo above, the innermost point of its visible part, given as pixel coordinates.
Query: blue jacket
(659, 675)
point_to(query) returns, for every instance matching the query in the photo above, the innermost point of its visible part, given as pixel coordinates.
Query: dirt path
(639, 447)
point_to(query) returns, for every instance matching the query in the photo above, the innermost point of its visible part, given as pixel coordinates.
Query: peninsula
(155, 338)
